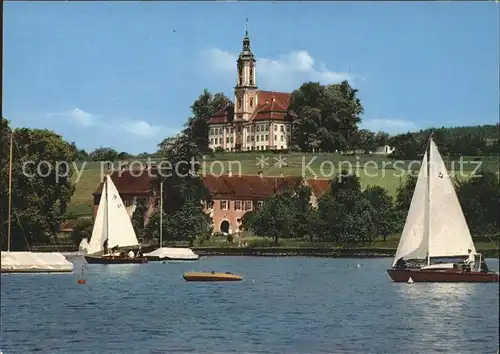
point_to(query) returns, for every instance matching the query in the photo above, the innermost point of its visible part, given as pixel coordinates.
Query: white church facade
(258, 119)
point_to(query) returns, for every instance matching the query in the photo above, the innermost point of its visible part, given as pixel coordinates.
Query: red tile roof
(222, 115)
(247, 187)
(67, 226)
(271, 106)
(318, 186)
(227, 187)
(133, 182)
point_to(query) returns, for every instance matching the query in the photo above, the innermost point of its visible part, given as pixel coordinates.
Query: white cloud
(392, 126)
(285, 73)
(143, 129)
(138, 128)
(77, 116)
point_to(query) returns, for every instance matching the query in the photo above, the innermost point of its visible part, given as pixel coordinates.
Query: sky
(124, 74)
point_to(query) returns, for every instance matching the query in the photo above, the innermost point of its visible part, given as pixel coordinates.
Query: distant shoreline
(320, 252)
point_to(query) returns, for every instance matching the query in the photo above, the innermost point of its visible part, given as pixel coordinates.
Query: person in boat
(131, 254)
(470, 261)
(105, 246)
(484, 267)
(401, 263)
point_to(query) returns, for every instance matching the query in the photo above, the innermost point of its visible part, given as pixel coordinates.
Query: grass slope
(373, 170)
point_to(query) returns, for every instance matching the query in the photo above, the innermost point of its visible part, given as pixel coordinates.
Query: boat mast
(428, 207)
(161, 214)
(107, 208)
(10, 192)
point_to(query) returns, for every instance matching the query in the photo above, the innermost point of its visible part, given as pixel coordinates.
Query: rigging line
(36, 197)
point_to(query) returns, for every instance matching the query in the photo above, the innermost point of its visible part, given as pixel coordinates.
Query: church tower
(245, 91)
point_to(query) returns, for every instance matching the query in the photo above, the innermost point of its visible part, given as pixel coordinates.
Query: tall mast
(161, 214)
(107, 208)
(10, 192)
(428, 206)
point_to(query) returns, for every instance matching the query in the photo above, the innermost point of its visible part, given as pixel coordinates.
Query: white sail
(120, 230)
(449, 234)
(112, 221)
(413, 242)
(99, 230)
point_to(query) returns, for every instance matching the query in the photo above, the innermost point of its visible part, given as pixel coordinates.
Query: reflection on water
(435, 306)
(283, 305)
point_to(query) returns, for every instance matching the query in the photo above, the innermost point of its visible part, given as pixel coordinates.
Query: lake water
(283, 305)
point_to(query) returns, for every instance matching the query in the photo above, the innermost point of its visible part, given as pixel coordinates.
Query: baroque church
(257, 120)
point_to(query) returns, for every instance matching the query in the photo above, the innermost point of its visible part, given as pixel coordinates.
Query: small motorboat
(211, 276)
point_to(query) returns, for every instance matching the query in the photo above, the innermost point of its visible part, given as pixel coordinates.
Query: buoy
(358, 265)
(81, 280)
(410, 281)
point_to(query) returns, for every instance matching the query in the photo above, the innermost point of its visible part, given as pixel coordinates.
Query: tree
(82, 229)
(385, 216)
(366, 140)
(345, 214)
(41, 184)
(479, 198)
(204, 108)
(381, 139)
(182, 187)
(138, 219)
(324, 117)
(104, 154)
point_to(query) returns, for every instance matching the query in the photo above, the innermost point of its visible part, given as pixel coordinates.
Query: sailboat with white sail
(169, 253)
(29, 262)
(436, 244)
(112, 229)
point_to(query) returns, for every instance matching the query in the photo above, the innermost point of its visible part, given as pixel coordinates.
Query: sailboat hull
(442, 276)
(116, 260)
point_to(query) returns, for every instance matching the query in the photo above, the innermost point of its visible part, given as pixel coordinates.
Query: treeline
(460, 141)
(347, 215)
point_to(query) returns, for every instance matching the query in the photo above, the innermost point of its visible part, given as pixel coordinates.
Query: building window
(237, 205)
(248, 205)
(223, 205)
(248, 138)
(252, 138)
(227, 140)
(287, 128)
(127, 202)
(282, 129)
(251, 102)
(267, 128)
(275, 138)
(240, 102)
(231, 139)
(258, 128)
(275, 128)
(253, 129)
(260, 203)
(281, 138)
(258, 136)
(211, 141)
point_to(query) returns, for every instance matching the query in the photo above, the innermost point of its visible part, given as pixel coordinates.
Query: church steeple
(246, 63)
(245, 91)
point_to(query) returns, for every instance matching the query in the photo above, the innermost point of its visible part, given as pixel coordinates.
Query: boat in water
(211, 276)
(169, 253)
(113, 225)
(436, 244)
(172, 254)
